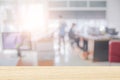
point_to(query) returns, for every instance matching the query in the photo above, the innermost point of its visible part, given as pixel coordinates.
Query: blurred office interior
(29, 33)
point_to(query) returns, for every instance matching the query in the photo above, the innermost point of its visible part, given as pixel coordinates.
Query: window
(78, 4)
(57, 3)
(97, 3)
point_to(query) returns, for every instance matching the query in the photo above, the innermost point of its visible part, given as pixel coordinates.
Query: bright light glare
(32, 17)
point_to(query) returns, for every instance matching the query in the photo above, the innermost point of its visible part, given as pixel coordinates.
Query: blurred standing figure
(62, 32)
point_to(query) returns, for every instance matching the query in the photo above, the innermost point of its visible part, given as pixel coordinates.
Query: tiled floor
(47, 55)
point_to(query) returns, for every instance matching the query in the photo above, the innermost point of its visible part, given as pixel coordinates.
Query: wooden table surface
(60, 73)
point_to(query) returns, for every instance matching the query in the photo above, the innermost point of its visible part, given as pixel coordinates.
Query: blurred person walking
(61, 32)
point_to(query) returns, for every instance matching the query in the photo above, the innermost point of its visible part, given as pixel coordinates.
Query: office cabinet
(98, 50)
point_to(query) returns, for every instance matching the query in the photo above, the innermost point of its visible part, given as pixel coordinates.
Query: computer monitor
(16, 40)
(112, 31)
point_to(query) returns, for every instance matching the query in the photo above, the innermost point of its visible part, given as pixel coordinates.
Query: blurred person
(61, 31)
(73, 35)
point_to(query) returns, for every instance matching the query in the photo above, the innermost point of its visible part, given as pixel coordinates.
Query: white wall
(113, 14)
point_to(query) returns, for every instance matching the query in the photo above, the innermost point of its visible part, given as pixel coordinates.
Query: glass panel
(97, 3)
(78, 4)
(58, 4)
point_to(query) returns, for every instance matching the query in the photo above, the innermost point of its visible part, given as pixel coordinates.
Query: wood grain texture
(59, 73)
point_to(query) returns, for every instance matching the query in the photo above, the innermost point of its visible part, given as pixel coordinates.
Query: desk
(96, 46)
